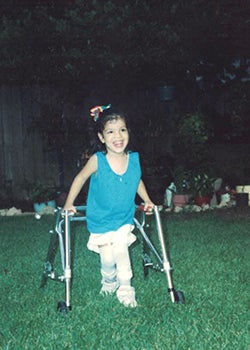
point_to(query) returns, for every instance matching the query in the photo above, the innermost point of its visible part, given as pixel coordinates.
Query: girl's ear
(101, 138)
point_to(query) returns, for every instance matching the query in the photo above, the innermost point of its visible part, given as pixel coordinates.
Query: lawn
(210, 255)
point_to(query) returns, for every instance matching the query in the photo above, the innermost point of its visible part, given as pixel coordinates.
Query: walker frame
(61, 236)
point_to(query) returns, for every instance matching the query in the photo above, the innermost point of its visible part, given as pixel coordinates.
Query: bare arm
(142, 192)
(79, 181)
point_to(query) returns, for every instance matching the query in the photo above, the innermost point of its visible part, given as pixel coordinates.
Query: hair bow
(95, 111)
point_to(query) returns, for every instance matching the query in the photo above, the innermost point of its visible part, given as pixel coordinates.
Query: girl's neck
(118, 162)
(113, 155)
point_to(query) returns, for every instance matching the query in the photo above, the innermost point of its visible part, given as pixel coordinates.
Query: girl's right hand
(69, 208)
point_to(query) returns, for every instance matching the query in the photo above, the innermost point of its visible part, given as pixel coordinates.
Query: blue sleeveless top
(111, 197)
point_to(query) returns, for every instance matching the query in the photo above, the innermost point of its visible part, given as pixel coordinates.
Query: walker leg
(52, 251)
(66, 305)
(146, 260)
(48, 265)
(148, 248)
(176, 296)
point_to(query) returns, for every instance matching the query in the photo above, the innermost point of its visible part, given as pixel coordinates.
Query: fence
(24, 157)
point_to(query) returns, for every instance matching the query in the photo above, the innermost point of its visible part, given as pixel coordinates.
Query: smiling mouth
(118, 144)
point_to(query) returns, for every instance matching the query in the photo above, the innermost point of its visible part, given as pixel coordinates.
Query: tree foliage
(121, 41)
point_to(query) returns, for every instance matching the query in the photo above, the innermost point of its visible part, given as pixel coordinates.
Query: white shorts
(123, 234)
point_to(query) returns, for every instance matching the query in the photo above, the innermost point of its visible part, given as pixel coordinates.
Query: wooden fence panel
(24, 156)
(22, 152)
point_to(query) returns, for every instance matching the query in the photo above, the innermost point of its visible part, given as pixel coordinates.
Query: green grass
(210, 255)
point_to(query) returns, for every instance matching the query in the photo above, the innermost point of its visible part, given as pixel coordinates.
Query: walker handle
(141, 207)
(79, 208)
(69, 213)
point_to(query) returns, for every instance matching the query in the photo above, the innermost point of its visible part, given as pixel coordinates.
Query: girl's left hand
(149, 208)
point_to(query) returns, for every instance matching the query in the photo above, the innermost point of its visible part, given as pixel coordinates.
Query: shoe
(109, 288)
(126, 296)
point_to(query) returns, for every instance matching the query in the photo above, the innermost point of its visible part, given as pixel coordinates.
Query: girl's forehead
(115, 122)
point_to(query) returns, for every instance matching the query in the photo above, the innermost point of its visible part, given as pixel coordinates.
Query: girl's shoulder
(134, 155)
(100, 158)
(100, 154)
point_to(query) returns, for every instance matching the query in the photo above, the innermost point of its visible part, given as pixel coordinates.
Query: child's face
(115, 136)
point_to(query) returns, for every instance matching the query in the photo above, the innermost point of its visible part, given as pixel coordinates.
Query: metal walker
(61, 235)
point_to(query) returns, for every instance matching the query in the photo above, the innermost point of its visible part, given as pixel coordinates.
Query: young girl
(115, 178)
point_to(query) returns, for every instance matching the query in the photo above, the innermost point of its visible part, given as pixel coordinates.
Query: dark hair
(104, 117)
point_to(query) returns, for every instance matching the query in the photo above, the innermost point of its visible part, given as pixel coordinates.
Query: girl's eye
(112, 131)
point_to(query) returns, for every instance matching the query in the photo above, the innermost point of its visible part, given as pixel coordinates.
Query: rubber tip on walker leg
(62, 307)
